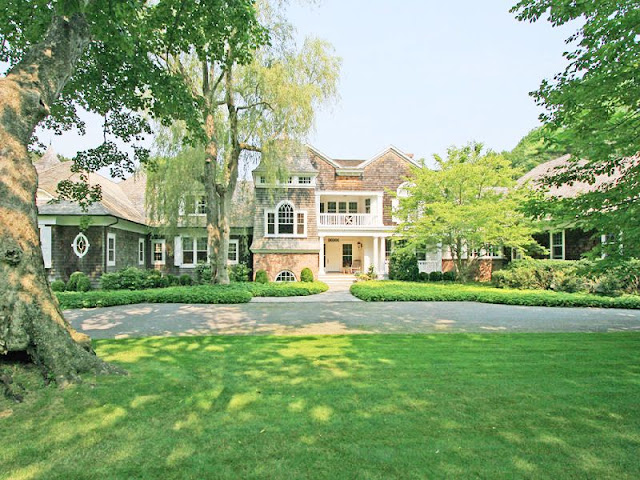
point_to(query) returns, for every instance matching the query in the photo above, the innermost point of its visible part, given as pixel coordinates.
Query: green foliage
(449, 276)
(451, 292)
(186, 279)
(306, 275)
(172, 280)
(538, 146)
(58, 286)
(286, 289)
(83, 284)
(203, 274)
(132, 278)
(542, 275)
(436, 276)
(403, 265)
(239, 273)
(370, 275)
(192, 294)
(261, 277)
(74, 279)
(468, 203)
(594, 101)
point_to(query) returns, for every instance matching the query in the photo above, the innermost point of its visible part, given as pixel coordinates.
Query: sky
(419, 75)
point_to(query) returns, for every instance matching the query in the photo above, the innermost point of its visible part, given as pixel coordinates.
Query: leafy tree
(595, 101)
(538, 146)
(264, 107)
(94, 54)
(468, 204)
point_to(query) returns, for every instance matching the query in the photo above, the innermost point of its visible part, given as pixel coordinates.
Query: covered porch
(354, 254)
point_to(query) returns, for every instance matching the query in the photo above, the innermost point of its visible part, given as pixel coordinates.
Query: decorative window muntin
(141, 256)
(286, 276)
(80, 245)
(304, 180)
(285, 221)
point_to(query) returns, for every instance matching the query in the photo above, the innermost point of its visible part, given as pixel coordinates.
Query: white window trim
(276, 223)
(141, 243)
(275, 279)
(182, 209)
(162, 242)
(292, 180)
(236, 242)
(551, 245)
(111, 263)
(195, 252)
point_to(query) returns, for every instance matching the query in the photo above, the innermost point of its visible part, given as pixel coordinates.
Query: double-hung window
(232, 256)
(286, 221)
(194, 250)
(111, 249)
(331, 207)
(141, 259)
(557, 245)
(158, 251)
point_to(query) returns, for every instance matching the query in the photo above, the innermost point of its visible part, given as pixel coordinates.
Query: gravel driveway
(317, 318)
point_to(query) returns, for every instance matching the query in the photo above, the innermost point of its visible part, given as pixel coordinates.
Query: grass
(339, 407)
(208, 294)
(394, 291)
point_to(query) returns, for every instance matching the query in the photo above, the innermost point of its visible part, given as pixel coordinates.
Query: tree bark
(30, 317)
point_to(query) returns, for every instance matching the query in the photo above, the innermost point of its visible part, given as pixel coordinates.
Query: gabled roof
(354, 164)
(393, 149)
(299, 163)
(537, 175)
(48, 160)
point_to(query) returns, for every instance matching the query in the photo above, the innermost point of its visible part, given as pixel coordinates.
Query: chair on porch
(356, 266)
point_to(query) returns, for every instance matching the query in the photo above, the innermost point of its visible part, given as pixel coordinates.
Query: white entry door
(333, 255)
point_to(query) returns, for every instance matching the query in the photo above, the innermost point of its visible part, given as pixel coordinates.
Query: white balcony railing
(347, 219)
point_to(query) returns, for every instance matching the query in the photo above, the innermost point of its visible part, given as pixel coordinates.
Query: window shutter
(45, 242)
(177, 251)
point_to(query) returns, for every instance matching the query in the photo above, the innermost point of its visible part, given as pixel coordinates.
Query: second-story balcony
(347, 220)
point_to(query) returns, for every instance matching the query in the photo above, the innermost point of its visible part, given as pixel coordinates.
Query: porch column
(376, 255)
(321, 260)
(382, 255)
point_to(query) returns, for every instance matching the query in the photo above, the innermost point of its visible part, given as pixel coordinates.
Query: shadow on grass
(432, 406)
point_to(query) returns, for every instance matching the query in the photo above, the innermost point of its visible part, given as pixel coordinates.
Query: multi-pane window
(201, 205)
(262, 179)
(353, 207)
(286, 221)
(271, 223)
(194, 250)
(158, 250)
(285, 276)
(232, 256)
(141, 251)
(290, 180)
(304, 180)
(322, 207)
(342, 207)
(367, 205)
(331, 207)
(347, 254)
(111, 249)
(557, 245)
(195, 205)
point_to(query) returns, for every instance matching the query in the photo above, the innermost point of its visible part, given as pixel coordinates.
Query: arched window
(285, 276)
(285, 219)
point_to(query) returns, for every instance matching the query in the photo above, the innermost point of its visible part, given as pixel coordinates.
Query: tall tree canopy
(596, 103)
(266, 106)
(538, 146)
(100, 56)
(467, 204)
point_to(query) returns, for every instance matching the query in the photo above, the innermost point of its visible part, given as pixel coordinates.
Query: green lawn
(340, 407)
(395, 291)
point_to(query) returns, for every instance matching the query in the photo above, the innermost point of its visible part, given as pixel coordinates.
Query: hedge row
(286, 289)
(197, 294)
(391, 291)
(209, 294)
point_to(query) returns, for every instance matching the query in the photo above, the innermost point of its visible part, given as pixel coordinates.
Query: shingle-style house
(331, 215)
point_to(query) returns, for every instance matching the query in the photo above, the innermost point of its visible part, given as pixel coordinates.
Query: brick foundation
(483, 270)
(274, 263)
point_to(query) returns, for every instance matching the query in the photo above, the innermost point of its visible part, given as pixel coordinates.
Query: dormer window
(285, 221)
(262, 179)
(290, 180)
(304, 180)
(195, 205)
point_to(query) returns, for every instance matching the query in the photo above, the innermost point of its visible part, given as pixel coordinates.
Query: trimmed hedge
(287, 289)
(390, 291)
(306, 275)
(209, 294)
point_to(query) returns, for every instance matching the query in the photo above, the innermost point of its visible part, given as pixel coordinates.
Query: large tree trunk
(30, 318)
(222, 269)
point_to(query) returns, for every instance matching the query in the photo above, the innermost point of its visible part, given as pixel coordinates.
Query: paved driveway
(314, 318)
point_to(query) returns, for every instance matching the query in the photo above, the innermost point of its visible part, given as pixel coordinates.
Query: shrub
(206, 294)
(403, 265)
(556, 275)
(172, 280)
(133, 278)
(436, 276)
(84, 284)
(286, 289)
(72, 284)
(58, 286)
(239, 273)
(261, 277)
(431, 292)
(203, 274)
(306, 275)
(185, 279)
(449, 276)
